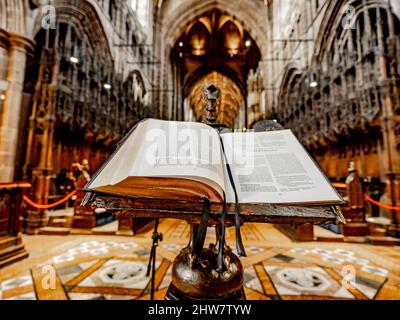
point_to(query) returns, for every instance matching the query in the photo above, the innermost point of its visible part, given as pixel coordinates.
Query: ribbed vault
(175, 15)
(214, 48)
(231, 97)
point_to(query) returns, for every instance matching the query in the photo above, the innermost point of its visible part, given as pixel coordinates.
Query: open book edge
(162, 188)
(177, 187)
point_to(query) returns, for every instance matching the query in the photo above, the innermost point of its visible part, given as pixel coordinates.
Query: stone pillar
(10, 115)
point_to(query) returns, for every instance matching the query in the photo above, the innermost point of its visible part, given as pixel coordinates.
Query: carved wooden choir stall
(356, 227)
(354, 211)
(11, 247)
(81, 107)
(345, 106)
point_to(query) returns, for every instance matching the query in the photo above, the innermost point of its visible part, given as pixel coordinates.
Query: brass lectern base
(174, 294)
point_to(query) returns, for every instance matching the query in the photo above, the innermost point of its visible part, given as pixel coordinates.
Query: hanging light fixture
(247, 43)
(3, 88)
(312, 80)
(2, 99)
(74, 57)
(107, 85)
(74, 60)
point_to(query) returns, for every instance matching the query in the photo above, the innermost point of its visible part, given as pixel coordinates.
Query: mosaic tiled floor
(97, 267)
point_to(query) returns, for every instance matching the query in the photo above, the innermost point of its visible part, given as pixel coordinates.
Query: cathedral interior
(77, 75)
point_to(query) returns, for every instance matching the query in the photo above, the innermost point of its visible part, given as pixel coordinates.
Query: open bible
(191, 161)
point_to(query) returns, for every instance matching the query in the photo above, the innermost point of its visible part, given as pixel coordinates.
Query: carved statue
(81, 173)
(82, 177)
(354, 187)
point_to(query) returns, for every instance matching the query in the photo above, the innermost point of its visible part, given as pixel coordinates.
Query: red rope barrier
(381, 205)
(69, 196)
(48, 206)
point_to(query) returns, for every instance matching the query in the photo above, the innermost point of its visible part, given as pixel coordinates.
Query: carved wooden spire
(212, 100)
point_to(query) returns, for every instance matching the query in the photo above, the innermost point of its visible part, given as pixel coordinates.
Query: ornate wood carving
(212, 101)
(11, 246)
(352, 112)
(82, 102)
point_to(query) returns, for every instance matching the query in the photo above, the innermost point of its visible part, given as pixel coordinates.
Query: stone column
(10, 115)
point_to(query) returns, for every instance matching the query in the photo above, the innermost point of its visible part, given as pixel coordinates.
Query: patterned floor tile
(119, 273)
(252, 281)
(313, 281)
(16, 282)
(26, 296)
(109, 268)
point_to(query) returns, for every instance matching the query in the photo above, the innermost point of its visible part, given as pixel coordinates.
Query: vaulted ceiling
(215, 48)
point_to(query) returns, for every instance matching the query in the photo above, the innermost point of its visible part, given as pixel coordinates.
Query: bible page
(188, 150)
(169, 149)
(273, 167)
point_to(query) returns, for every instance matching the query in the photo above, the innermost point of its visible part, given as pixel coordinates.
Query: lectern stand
(196, 275)
(192, 213)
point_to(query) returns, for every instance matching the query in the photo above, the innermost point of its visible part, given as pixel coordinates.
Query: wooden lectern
(195, 276)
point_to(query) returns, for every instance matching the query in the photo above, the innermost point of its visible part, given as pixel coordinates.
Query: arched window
(141, 8)
(198, 38)
(230, 37)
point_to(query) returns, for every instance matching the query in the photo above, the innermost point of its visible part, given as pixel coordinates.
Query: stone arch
(198, 36)
(291, 71)
(292, 83)
(85, 16)
(174, 16)
(226, 19)
(205, 70)
(230, 35)
(333, 18)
